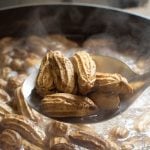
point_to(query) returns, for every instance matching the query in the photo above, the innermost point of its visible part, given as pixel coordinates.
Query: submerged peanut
(14, 82)
(3, 84)
(60, 143)
(25, 127)
(10, 140)
(22, 107)
(119, 132)
(106, 101)
(4, 96)
(5, 109)
(88, 140)
(56, 128)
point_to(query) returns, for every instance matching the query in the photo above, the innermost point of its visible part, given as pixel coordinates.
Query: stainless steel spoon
(104, 64)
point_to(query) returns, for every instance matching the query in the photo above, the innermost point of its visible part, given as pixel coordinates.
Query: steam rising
(41, 21)
(37, 22)
(126, 37)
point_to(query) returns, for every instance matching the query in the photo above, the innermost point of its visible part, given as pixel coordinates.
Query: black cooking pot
(80, 22)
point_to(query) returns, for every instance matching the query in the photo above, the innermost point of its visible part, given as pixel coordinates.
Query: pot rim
(46, 3)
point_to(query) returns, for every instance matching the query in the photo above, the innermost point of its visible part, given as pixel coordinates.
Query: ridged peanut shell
(56, 128)
(85, 69)
(115, 83)
(30, 146)
(5, 109)
(60, 143)
(44, 81)
(10, 140)
(88, 140)
(63, 72)
(119, 132)
(67, 105)
(4, 96)
(25, 127)
(22, 107)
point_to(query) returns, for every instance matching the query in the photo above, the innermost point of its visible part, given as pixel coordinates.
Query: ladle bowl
(103, 64)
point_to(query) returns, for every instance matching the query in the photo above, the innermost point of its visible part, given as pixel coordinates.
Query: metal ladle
(103, 64)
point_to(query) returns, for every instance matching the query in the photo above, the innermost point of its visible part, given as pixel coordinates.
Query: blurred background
(135, 6)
